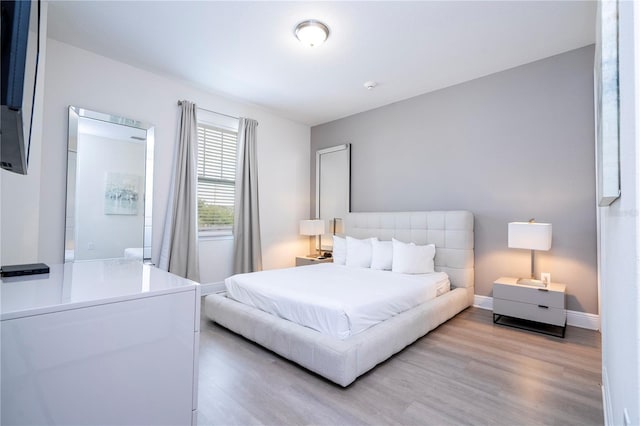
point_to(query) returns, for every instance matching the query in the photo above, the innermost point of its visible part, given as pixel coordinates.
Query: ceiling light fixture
(311, 32)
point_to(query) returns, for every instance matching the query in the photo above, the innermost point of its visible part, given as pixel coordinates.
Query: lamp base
(532, 282)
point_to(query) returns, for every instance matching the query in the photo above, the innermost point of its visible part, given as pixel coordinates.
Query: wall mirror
(109, 187)
(333, 190)
(607, 101)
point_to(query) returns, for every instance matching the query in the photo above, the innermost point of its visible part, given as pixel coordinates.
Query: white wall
(78, 77)
(619, 225)
(20, 194)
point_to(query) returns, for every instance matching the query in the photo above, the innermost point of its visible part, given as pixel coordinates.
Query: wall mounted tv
(20, 51)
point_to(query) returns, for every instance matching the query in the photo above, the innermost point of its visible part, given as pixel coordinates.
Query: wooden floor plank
(467, 371)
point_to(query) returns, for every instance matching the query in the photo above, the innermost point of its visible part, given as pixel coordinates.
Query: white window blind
(216, 179)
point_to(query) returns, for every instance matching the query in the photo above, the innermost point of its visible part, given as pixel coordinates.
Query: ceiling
(247, 50)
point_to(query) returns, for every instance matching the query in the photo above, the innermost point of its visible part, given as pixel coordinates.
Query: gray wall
(510, 146)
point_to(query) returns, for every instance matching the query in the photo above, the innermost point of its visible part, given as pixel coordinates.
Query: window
(216, 179)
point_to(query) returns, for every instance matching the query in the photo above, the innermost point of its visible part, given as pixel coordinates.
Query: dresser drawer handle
(543, 289)
(543, 307)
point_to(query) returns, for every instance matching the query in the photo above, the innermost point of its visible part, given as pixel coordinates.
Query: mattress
(335, 300)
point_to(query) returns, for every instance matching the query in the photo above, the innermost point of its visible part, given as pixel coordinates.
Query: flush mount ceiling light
(311, 32)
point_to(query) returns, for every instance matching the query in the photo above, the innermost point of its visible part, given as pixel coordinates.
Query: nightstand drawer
(533, 312)
(530, 295)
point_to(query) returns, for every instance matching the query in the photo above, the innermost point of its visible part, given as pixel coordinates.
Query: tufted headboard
(450, 231)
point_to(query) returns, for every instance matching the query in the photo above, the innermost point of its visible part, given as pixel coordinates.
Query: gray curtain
(247, 253)
(179, 251)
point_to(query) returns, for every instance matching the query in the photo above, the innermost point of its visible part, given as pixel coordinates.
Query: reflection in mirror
(333, 190)
(109, 187)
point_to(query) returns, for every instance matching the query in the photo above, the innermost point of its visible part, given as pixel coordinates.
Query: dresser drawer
(530, 295)
(528, 311)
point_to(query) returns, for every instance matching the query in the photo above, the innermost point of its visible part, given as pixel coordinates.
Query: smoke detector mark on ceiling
(369, 85)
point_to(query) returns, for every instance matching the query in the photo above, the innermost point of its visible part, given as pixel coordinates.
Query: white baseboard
(483, 302)
(210, 288)
(583, 320)
(574, 318)
(606, 399)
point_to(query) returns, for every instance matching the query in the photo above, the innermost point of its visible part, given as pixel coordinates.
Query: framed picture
(121, 193)
(607, 101)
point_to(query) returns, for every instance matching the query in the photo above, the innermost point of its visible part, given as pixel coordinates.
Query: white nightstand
(307, 260)
(542, 305)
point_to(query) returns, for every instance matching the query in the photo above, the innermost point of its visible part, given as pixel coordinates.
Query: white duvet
(336, 300)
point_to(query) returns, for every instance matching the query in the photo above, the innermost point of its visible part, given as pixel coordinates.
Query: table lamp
(313, 228)
(532, 236)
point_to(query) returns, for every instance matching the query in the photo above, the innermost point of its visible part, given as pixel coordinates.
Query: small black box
(28, 269)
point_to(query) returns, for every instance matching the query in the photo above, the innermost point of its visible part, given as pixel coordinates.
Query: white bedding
(333, 299)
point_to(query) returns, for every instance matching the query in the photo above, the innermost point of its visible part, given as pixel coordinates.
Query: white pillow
(359, 252)
(381, 255)
(413, 259)
(339, 250)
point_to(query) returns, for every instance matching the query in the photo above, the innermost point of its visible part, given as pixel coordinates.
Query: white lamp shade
(312, 227)
(530, 235)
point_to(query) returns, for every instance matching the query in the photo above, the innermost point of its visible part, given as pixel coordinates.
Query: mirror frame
(75, 113)
(319, 153)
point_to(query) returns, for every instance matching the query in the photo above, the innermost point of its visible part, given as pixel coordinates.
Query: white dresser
(101, 342)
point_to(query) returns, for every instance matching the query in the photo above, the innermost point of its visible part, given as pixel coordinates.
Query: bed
(133, 253)
(342, 357)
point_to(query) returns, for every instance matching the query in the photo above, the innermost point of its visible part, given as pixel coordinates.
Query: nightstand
(540, 309)
(307, 260)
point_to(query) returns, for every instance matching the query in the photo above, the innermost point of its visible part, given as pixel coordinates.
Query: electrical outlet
(545, 277)
(91, 246)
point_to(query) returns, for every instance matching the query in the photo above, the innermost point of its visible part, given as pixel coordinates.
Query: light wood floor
(467, 371)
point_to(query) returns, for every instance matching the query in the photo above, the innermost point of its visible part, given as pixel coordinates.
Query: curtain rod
(214, 112)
